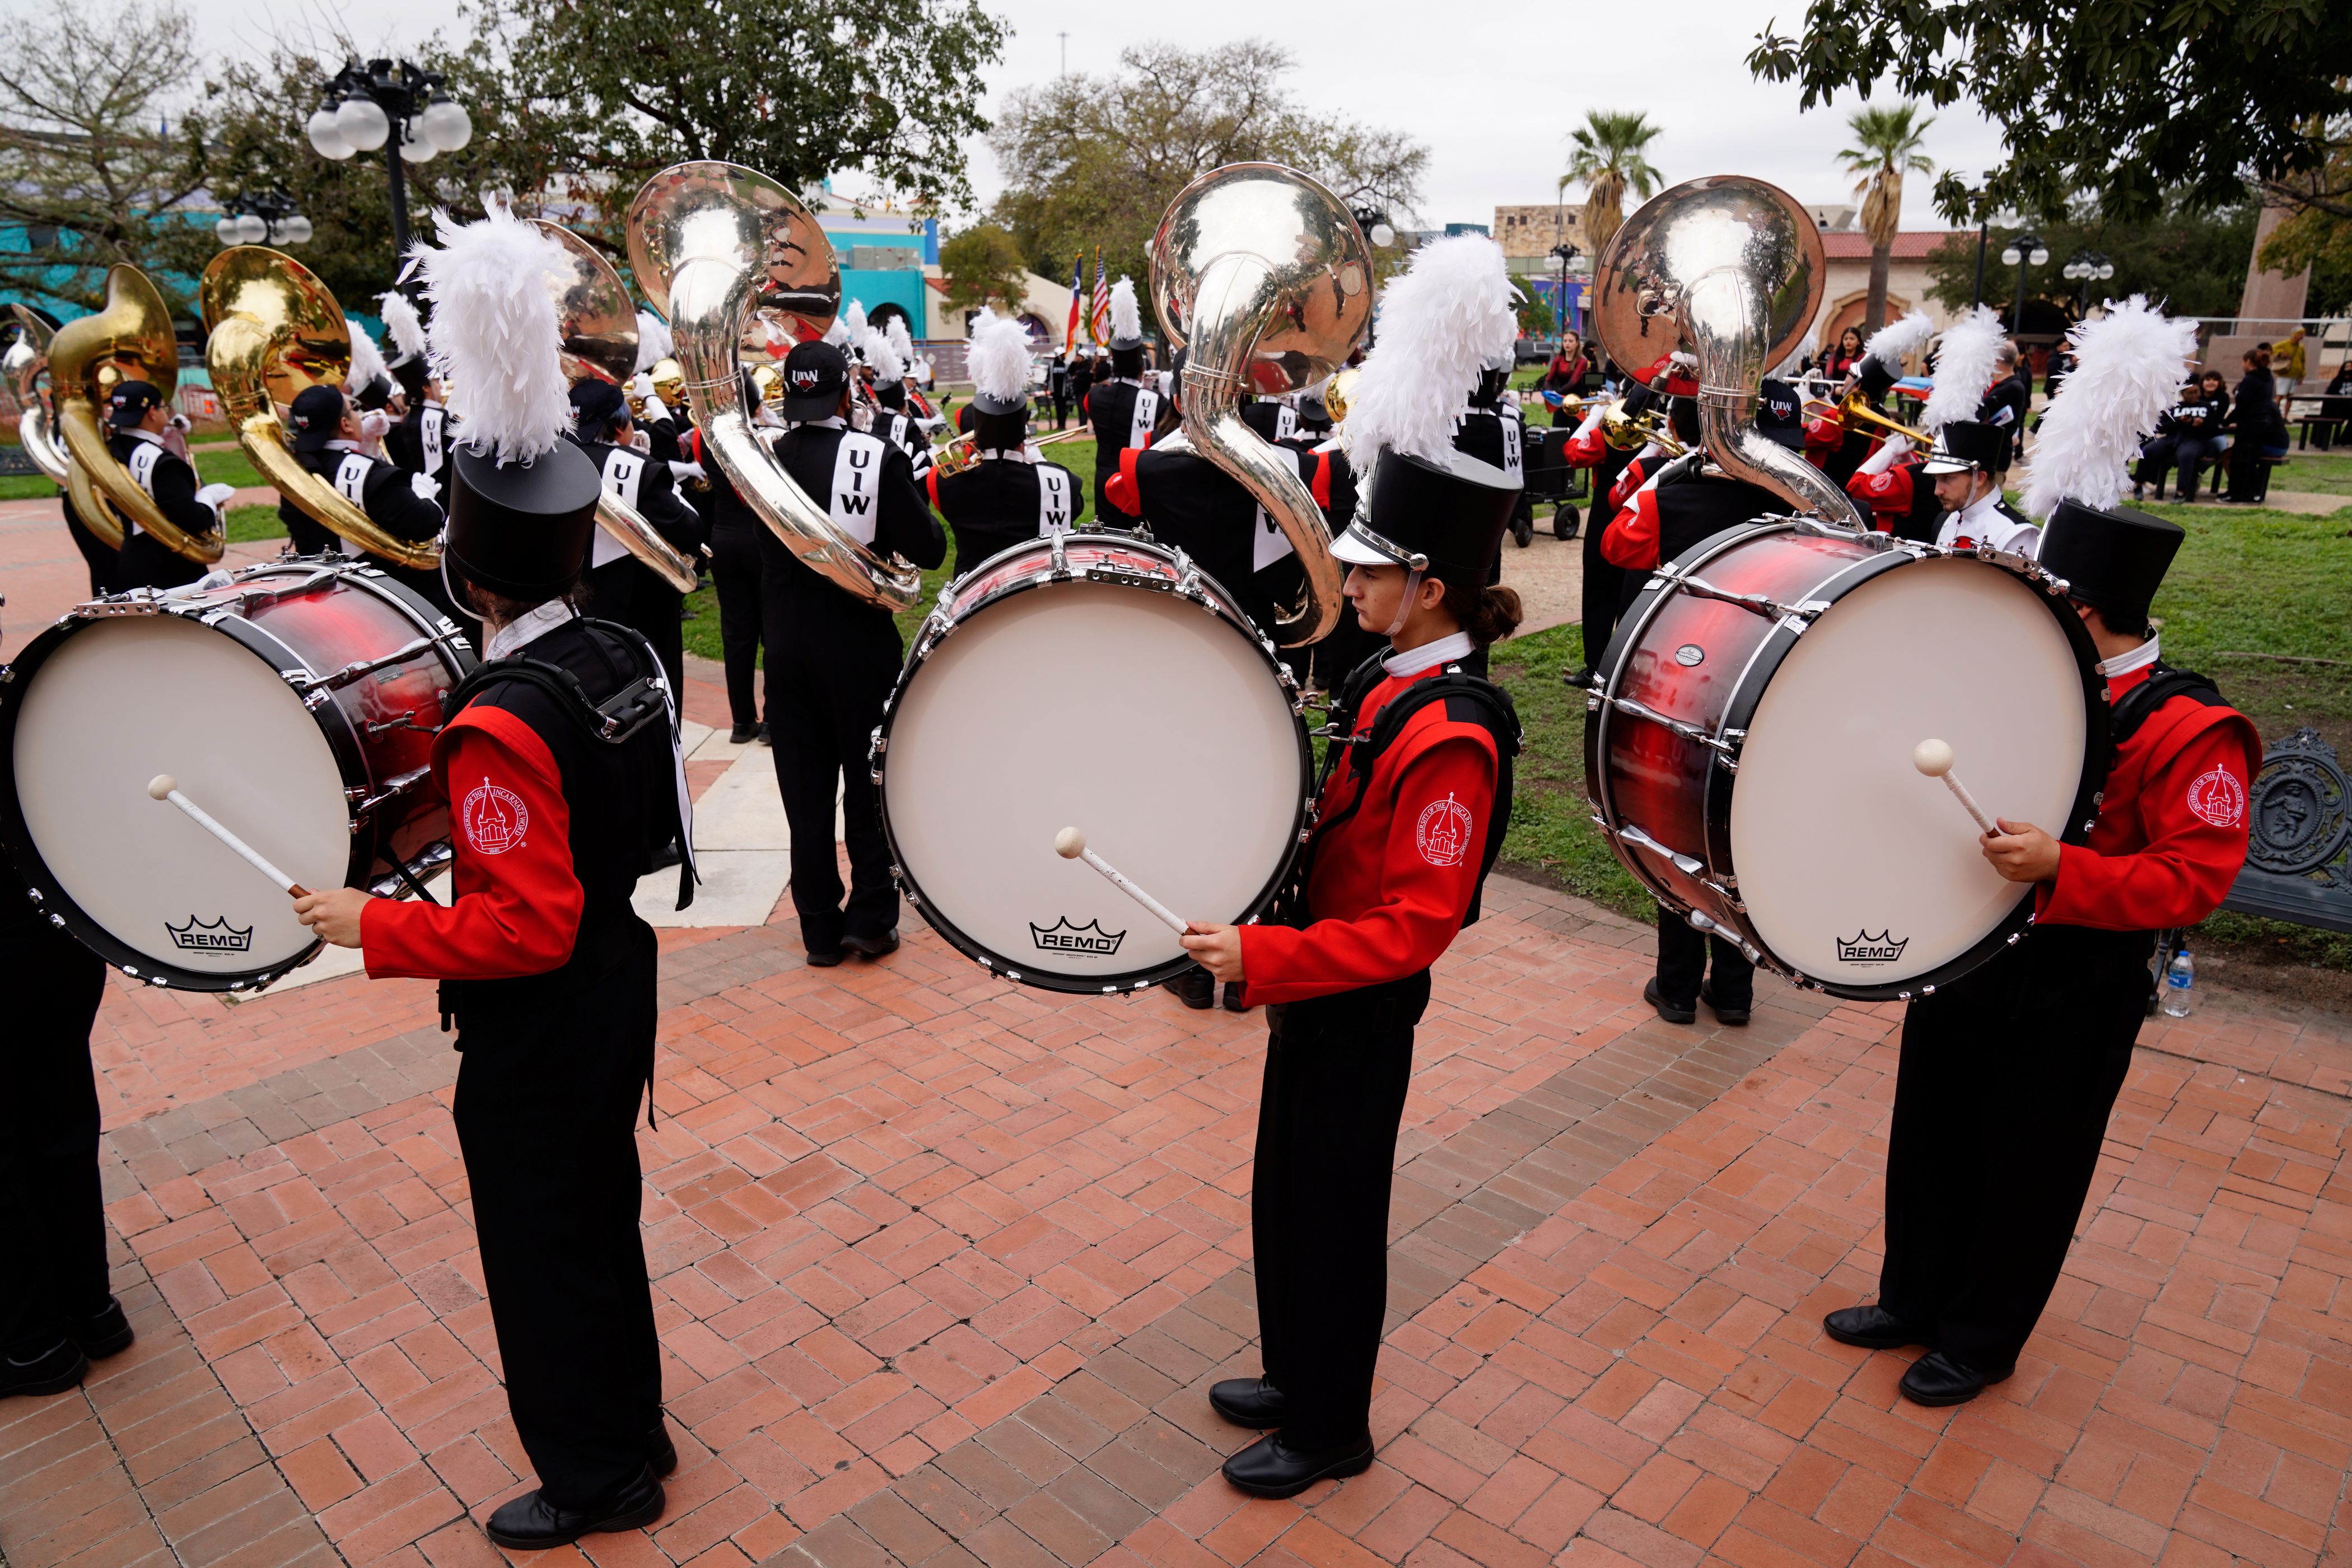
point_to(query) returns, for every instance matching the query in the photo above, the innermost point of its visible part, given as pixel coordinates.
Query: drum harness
(1487, 705)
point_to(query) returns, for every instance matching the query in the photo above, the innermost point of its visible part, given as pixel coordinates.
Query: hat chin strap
(1412, 576)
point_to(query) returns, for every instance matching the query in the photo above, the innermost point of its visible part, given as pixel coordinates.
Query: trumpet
(954, 456)
(1631, 432)
(1853, 414)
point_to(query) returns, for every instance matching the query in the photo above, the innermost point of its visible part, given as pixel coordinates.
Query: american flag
(1099, 314)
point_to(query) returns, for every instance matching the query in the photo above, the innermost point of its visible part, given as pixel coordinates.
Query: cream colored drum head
(122, 701)
(1153, 726)
(1854, 866)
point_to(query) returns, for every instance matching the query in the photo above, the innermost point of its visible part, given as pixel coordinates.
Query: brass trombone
(1631, 432)
(600, 340)
(1855, 414)
(129, 340)
(273, 331)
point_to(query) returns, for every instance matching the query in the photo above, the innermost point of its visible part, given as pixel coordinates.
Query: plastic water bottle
(2179, 985)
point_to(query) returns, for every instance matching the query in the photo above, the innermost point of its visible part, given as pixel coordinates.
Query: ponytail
(1487, 614)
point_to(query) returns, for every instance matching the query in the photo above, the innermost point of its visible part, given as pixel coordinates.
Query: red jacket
(1584, 451)
(1887, 494)
(2172, 831)
(1631, 540)
(517, 909)
(1391, 880)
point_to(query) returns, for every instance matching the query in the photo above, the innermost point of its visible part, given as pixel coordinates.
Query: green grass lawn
(248, 524)
(2325, 473)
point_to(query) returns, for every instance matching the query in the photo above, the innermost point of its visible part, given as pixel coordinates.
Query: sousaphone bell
(26, 367)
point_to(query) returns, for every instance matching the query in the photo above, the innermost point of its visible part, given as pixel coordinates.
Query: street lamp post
(365, 107)
(2026, 250)
(267, 218)
(1567, 252)
(2085, 268)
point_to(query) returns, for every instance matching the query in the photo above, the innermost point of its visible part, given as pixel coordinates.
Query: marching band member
(545, 967)
(137, 415)
(1966, 467)
(1874, 377)
(1008, 495)
(419, 440)
(625, 589)
(96, 553)
(831, 659)
(1125, 411)
(890, 420)
(653, 415)
(328, 440)
(1409, 820)
(1894, 482)
(735, 535)
(2007, 1074)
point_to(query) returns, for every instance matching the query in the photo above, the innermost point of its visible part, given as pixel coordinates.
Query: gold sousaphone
(1263, 278)
(26, 368)
(600, 341)
(275, 331)
(129, 340)
(1730, 268)
(720, 247)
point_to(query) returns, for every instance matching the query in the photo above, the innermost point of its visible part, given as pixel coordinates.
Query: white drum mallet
(1071, 845)
(1934, 758)
(163, 786)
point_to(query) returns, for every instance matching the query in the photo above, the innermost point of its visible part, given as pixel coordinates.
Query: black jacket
(420, 444)
(380, 490)
(1111, 411)
(1694, 505)
(868, 486)
(2256, 417)
(143, 561)
(999, 503)
(2006, 404)
(652, 489)
(1193, 505)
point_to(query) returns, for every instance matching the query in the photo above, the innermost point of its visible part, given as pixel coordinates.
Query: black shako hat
(816, 375)
(1964, 444)
(596, 408)
(1445, 522)
(2112, 559)
(1873, 379)
(317, 416)
(522, 529)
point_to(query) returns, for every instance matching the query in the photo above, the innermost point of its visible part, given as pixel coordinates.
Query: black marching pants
(735, 572)
(1336, 1071)
(1683, 955)
(821, 717)
(548, 1092)
(2000, 1104)
(1604, 586)
(50, 1209)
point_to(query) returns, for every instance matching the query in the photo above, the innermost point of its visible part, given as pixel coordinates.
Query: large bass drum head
(1156, 728)
(121, 700)
(1855, 868)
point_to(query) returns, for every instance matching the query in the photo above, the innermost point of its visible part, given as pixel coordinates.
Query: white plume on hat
(1444, 318)
(1898, 340)
(837, 334)
(855, 320)
(2128, 369)
(495, 336)
(901, 343)
(367, 360)
(1964, 368)
(882, 356)
(998, 359)
(1126, 319)
(401, 321)
(654, 344)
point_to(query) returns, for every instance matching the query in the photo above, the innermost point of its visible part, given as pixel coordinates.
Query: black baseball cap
(596, 408)
(131, 402)
(1779, 413)
(816, 375)
(317, 416)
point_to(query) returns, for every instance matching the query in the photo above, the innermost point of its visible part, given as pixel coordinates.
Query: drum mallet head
(1071, 845)
(160, 786)
(1934, 758)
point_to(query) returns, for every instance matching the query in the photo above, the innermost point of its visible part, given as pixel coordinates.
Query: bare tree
(99, 148)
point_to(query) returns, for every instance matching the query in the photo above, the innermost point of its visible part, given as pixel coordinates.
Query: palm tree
(1608, 162)
(1886, 147)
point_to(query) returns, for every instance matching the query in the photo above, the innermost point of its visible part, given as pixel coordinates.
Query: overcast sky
(1493, 100)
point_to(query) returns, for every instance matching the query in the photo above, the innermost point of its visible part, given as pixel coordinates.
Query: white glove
(641, 442)
(373, 423)
(1891, 451)
(688, 472)
(422, 487)
(179, 421)
(1592, 420)
(217, 497)
(1682, 359)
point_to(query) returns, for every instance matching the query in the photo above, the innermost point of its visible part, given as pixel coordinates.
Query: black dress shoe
(763, 737)
(740, 735)
(1873, 1328)
(873, 946)
(1672, 1013)
(54, 1371)
(1272, 1467)
(668, 855)
(1249, 1401)
(1731, 1017)
(531, 1523)
(1196, 988)
(1936, 1379)
(661, 1454)
(829, 958)
(105, 1333)
(1233, 1003)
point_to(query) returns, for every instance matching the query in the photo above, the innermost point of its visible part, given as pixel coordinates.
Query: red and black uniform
(1193, 505)
(625, 589)
(2008, 1075)
(1126, 415)
(1900, 499)
(550, 976)
(1003, 499)
(1392, 875)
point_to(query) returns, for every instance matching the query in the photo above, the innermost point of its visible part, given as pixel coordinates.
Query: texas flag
(1077, 292)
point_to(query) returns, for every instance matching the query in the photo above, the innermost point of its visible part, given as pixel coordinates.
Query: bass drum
(1748, 738)
(295, 702)
(1110, 685)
